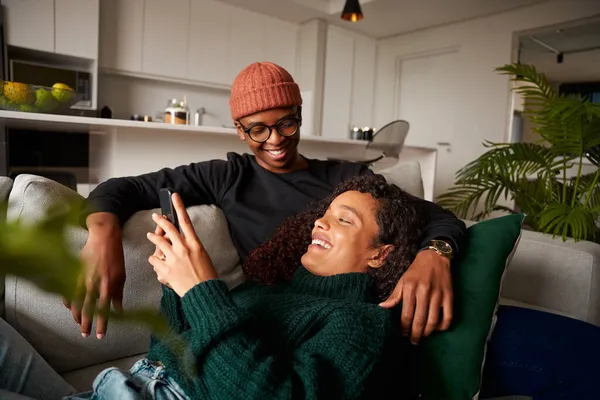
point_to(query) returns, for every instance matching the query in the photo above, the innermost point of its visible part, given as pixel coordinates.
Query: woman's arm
(235, 359)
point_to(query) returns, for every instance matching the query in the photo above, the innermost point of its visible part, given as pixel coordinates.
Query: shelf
(67, 123)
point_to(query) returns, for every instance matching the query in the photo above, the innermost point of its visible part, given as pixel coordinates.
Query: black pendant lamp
(352, 11)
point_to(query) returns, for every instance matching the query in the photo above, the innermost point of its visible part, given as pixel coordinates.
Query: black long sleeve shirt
(254, 200)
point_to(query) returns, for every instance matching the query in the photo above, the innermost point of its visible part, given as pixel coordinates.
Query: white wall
(310, 69)
(126, 96)
(483, 101)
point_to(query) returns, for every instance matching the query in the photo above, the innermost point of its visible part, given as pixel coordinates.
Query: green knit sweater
(315, 338)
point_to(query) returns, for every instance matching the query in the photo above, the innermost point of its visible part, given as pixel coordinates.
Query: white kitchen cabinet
(166, 34)
(207, 52)
(203, 41)
(121, 29)
(30, 24)
(246, 40)
(337, 95)
(349, 82)
(280, 38)
(363, 81)
(76, 25)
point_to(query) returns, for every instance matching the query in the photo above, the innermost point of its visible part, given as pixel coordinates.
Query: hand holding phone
(186, 263)
(166, 207)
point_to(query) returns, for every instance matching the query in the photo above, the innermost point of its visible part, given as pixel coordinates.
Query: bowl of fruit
(16, 96)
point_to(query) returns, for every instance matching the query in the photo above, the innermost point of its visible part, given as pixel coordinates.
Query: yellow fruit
(18, 93)
(44, 100)
(63, 93)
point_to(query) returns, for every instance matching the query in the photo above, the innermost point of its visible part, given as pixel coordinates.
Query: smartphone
(166, 206)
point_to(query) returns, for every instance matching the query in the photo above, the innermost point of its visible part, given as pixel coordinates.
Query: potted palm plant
(536, 175)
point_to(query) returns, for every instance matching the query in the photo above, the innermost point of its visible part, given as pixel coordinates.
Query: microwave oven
(35, 73)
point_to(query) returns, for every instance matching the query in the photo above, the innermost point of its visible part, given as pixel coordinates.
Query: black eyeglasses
(260, 133)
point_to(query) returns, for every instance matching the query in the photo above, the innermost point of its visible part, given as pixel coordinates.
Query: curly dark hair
(398, 218)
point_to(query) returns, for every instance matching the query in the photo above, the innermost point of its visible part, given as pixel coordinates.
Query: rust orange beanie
(262, 86)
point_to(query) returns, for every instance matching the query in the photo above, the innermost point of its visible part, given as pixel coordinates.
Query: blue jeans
(24, 374)
(144, 381)
(542, 355)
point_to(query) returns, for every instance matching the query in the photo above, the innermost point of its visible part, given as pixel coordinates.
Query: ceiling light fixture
(352, 11)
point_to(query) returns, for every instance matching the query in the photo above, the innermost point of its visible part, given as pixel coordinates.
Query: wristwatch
(441, 247)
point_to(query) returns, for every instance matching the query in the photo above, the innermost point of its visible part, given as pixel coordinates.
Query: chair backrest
(390, 138)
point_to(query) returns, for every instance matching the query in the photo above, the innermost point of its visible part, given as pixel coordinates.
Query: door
(121, 28)
(76, 24)
(426, 97)
(166, 34)
(29, 24)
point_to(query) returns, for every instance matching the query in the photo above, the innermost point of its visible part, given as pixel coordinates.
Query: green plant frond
(564, 220)
(594, 109)
(461, 199)
(529, 74)
(464, 198)
(588, 188)
(515, 160)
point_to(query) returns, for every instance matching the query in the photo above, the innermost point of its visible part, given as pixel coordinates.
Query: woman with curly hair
(397, 217)
(315, 330)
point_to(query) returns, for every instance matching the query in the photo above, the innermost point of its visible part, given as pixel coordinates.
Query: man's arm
(109, 206)
(198, 183)
(441, 224)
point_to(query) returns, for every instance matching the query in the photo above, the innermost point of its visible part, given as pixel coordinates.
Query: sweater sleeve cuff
(170, 300)
(208, 306)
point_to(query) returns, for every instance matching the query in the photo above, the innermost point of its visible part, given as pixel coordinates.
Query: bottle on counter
(199, 116)
(106, 112)
(177, 112)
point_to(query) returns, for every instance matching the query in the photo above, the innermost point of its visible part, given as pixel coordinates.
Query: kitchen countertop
(68, 123)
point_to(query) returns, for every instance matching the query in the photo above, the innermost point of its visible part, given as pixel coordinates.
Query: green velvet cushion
(450, 363)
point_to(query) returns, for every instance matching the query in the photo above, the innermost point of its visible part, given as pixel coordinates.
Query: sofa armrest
(556, 275)
(551, 275)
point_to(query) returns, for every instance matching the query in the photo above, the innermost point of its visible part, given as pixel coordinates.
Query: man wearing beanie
(256, 193)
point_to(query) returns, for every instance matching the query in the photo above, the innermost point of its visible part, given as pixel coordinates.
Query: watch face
(443, 246)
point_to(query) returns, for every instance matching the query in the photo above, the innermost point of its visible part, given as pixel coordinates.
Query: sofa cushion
(42, 318)
(407, 176)
(5, 186)
(450, 363)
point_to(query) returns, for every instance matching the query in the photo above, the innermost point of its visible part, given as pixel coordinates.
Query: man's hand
(104, 274)
(424, 289)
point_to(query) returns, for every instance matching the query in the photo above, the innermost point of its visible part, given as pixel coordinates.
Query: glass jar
(177, 112)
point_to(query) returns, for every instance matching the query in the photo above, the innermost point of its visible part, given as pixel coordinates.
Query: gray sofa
(544, 273)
